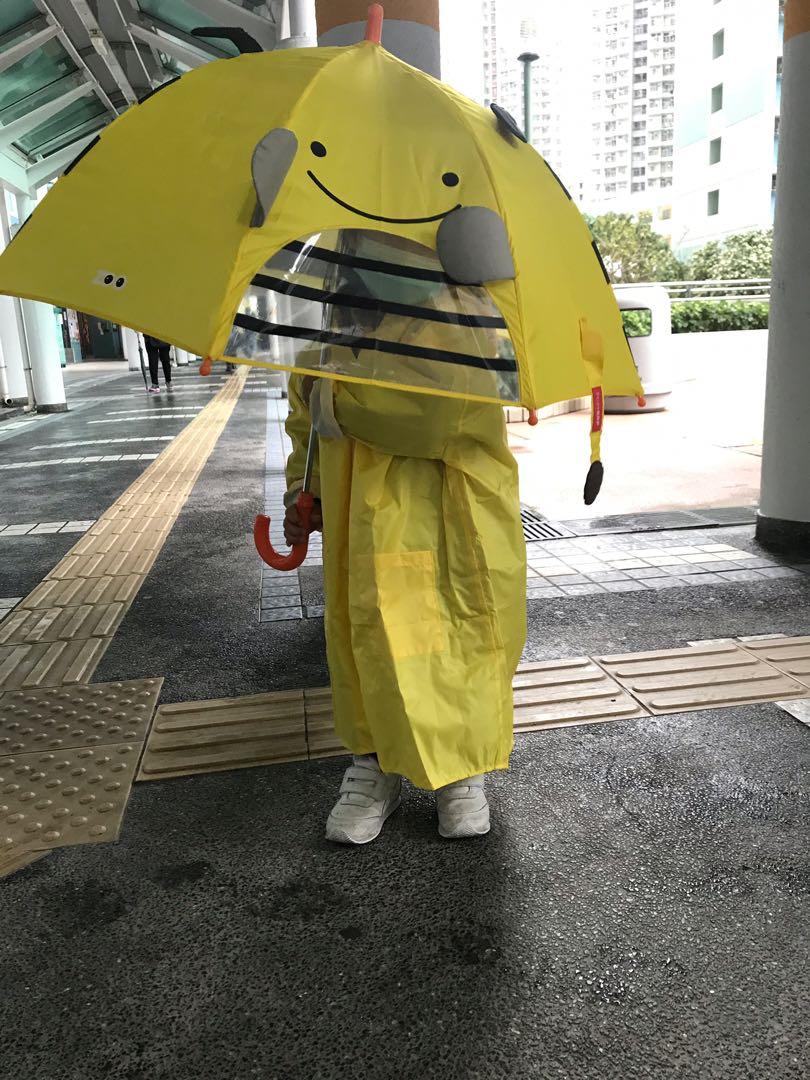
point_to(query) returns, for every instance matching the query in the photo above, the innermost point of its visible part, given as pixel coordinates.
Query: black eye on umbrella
(318, 149)
(450, 179)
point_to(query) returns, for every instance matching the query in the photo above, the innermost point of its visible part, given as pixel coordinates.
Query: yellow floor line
(59, 632)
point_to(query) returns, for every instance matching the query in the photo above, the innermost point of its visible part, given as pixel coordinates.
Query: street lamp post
(527, 59)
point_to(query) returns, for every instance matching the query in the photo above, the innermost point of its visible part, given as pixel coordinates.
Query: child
(425, 576)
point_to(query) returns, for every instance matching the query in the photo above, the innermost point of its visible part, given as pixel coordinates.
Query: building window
(715, 151)
(718, 44)
(713, 203)
(665, 213)
(717, 98)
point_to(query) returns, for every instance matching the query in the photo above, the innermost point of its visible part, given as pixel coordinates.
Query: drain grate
(538, 528)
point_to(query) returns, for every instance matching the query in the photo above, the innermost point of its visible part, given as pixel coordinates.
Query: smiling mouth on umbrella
(378, 217)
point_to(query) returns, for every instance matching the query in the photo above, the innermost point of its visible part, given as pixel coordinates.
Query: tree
(745, 255)
(632, 250)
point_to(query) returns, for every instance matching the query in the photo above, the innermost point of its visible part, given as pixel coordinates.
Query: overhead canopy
(69, 67)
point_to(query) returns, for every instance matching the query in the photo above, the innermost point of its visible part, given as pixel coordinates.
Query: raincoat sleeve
(297, 427)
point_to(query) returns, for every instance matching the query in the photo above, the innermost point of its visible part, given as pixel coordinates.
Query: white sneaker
(368, 796)
(463, 809)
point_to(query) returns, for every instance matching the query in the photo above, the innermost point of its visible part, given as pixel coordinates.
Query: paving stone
(701, 579)
(647, 573)
(589, 589)
(603, 576)
(571, 579)
(668, 582)
(544, 594)
(280, 614)
(780, 572)
(625, 586)
(741, 575)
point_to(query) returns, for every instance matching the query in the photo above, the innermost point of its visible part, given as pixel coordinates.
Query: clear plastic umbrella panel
(376, 308)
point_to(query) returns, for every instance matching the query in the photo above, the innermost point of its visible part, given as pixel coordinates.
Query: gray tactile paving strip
(702, 676)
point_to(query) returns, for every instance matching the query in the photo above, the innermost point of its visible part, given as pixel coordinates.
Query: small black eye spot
(108, 279)
(318, 149)
(120, 283)
(450, 179)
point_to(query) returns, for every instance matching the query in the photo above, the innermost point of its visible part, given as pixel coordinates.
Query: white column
(784, 522)
(181, 357)
(129, 339)
(43, 347)
(14, 388)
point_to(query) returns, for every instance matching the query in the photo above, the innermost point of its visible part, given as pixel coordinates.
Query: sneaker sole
(338, 835)
(469, 827)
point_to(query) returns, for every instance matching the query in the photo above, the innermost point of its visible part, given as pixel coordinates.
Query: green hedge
(701, 316)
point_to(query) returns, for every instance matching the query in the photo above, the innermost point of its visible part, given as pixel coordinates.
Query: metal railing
(748, 290)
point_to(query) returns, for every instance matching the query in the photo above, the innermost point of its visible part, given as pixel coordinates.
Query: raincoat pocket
(397, 594)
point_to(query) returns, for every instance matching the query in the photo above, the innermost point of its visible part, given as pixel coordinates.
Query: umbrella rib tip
(376, 14)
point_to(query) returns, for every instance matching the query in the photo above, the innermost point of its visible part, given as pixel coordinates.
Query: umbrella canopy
(166, 222)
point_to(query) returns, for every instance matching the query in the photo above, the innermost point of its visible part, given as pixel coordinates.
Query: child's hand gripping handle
(261, 536)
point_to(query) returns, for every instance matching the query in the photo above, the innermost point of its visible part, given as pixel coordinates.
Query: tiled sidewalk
(629, 563)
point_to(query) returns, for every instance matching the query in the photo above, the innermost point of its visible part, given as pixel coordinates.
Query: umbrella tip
(374, 24)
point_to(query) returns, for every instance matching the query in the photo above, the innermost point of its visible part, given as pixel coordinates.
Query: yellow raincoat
(425, 575)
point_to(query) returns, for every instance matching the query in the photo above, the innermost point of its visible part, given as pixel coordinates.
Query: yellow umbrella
(214, 215)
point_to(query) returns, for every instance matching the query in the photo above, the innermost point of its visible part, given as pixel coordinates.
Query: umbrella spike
(374, 25)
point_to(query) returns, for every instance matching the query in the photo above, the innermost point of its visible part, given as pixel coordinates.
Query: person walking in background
(158, 350)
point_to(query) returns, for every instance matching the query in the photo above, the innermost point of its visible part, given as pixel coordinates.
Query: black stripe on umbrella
(397, 348)
(367, 303)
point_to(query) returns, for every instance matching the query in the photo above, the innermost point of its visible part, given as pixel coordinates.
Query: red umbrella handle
(298, 552)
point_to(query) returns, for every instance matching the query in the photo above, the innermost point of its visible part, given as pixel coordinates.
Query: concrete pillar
(14, 387)
(181, 357)
(297, 27)
(43, 347)
(410, 30)
(784, 522)
(129, 341)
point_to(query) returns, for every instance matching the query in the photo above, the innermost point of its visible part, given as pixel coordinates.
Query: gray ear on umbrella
(473, 246)
(270, 164)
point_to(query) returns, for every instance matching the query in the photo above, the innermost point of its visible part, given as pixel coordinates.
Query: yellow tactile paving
(225, 733)
(789, 654)
(59, 632)
(17, 860)
(702, 676)
(321, 738)
(58, 718)
(64, 797)
(562, 692)
(26, 625)
(53, 663)
(68, 756)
